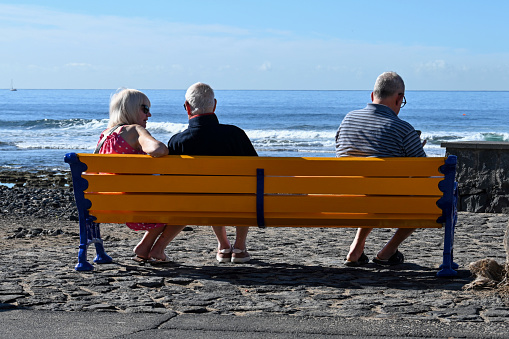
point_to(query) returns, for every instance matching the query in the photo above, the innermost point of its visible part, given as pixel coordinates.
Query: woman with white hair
(127, 134)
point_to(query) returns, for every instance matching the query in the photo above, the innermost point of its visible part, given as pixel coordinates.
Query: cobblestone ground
(294, 271)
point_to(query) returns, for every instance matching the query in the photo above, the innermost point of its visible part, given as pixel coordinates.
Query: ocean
(39, 126)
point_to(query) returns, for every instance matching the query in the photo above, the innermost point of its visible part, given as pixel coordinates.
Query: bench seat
(264, 192)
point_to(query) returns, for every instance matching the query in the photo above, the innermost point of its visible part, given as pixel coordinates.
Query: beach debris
(489, 274)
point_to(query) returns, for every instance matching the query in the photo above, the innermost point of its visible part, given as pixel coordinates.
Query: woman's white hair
(387, 84)
(200, 97)
(125, 104)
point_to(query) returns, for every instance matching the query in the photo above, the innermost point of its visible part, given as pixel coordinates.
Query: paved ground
(49, 324)
(296, 283)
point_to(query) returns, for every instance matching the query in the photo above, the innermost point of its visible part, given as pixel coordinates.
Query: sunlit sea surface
(39, 126)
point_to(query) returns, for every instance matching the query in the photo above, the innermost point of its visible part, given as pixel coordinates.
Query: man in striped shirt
(376, 131)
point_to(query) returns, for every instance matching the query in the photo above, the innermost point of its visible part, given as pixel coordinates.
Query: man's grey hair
(200, 97)
(387, 84)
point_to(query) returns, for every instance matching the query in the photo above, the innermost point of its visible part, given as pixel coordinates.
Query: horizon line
(272, 90)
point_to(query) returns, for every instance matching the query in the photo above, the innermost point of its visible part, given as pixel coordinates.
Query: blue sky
(259, 44)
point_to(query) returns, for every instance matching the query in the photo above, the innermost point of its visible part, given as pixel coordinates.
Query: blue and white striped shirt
(376, 131)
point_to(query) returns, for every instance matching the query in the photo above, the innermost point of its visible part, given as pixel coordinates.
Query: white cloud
(78, 64)
(266, 66)
(436, 65)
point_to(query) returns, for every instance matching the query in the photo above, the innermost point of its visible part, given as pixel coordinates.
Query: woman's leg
(167, 235)
(143, 248)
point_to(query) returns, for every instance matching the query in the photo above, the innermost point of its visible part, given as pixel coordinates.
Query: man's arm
(247, 146)
(413, 146)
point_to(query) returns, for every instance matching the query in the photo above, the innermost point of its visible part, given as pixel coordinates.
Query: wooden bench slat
(203, 165)
(353, 185)
(171, 183)
(247, 184)
(351, 204)
(272, 219)
(273, 203)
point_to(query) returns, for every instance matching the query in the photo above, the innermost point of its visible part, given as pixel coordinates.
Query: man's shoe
(396, 259)
(363, 260)
(240, 256)
(224, 255)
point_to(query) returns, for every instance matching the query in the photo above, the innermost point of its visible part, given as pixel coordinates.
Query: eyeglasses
(404, 101)
(145, 109)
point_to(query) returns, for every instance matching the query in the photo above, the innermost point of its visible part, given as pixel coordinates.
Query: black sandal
(363, 260)
(396, 259)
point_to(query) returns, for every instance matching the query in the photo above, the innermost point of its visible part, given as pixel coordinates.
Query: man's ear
(399, 100)
(215, 104)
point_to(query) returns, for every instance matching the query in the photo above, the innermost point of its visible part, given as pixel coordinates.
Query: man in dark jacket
(206, 136)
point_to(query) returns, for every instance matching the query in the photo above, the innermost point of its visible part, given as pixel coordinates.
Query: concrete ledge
(482, 175)
(477, 144)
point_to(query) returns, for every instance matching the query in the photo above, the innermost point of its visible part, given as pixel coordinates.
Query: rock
(482, 176)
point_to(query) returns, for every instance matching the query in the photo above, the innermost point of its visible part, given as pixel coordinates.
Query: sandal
(363, 260)
(156, 262)
(224, 255)
(142, 260)
(240, 256)
(396, 259)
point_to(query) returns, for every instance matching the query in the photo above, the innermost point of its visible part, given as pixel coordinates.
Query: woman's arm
(150, 145)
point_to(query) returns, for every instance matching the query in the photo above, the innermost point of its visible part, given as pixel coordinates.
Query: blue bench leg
(448, 267)
(83, 264)
(448, 203)
(101, 256)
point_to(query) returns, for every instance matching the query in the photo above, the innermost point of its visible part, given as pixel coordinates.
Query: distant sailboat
(12, 86)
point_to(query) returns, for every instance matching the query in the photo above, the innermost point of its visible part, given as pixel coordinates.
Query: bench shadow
(259, 274)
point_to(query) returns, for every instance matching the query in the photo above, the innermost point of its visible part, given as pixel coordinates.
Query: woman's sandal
(160, 261)
(142, 260)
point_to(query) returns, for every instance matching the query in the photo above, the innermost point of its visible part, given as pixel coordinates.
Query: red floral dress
(115, 144)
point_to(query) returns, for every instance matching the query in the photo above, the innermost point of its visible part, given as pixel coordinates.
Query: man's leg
(392, 246)
(224, 253)
(240, 254)
(357, 246)
(240, 238)
(222, 239)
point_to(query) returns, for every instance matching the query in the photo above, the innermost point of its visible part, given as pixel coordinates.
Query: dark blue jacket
(206, 136)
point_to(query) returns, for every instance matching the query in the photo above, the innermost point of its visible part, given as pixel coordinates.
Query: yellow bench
(264, 192)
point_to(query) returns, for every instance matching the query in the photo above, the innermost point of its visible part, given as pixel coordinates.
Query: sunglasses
(403, 103)
(145, 109)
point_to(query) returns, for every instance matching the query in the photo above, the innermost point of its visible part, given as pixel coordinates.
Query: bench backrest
(264, 191)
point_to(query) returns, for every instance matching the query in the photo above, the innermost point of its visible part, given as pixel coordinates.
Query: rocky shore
(294, 272)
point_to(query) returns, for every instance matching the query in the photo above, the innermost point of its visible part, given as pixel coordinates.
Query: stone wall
(482, 175)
